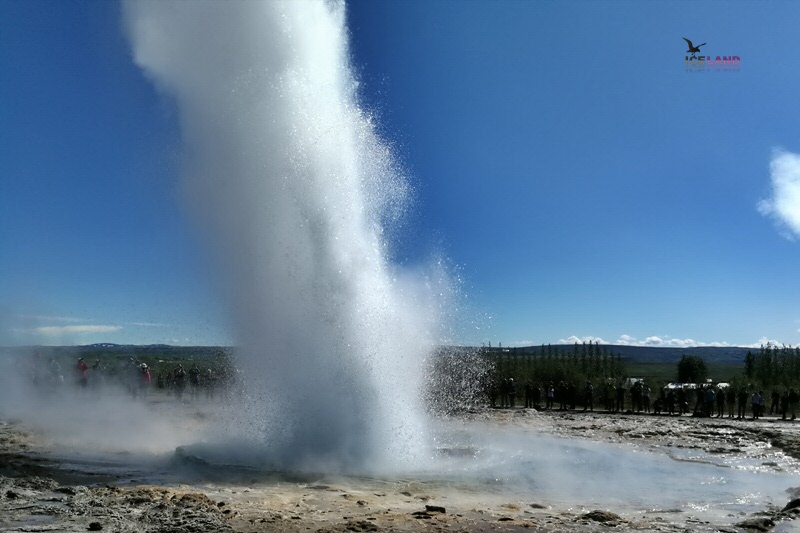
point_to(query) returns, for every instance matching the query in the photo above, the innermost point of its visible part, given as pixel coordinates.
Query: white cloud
(669, 342)
(625, 340)
(580, 340)
(763, 341)
(665, 341)
(147, 324)
(678, 343)
(784, 204)
(522, 343)
(65, 330)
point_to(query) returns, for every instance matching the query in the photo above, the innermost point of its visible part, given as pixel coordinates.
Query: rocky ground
(40, 493)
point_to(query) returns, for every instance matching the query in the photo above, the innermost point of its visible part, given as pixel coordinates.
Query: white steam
(101, 419)
(288, 178)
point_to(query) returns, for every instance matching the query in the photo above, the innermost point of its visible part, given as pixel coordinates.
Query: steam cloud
(285, 174)
(784, 204)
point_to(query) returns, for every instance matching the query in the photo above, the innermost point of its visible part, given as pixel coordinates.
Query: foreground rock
(41, 503)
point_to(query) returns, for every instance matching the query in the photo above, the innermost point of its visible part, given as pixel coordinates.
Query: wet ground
(44, 488)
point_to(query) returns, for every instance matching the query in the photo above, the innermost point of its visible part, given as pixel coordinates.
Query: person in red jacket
(144, 380)
(83, 372)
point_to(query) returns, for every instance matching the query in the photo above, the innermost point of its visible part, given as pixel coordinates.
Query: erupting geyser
(287, 177)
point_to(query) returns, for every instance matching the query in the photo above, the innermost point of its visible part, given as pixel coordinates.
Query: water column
(288, 180)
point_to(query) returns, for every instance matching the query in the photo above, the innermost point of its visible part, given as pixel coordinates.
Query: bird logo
(692, 48)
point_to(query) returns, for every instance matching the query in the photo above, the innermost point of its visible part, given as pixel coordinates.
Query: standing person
(646, 397)
(194, 381)
(551, 393)
(720, 403)
(528, 394)
(503, 393)
(180, 381)
(784, 404)
(730, 398)
(741, 402)
(700, 399)
(561, 396)
(572, 395)
(144, 382)
(588, 393)
(755, 401)
(683, 401)
(776, 401)
(512, 393)
(671, 402)
(607, 396)
(83, 372)
(620, 406)
(636, 397)
(793, 398)
(711, 398)
(132, 377)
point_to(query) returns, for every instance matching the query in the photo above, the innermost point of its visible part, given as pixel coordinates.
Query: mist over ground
(97, 419)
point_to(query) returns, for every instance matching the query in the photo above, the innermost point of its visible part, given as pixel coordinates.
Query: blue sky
(581, 180)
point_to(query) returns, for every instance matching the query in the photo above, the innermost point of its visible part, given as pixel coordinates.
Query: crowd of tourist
(636, 396)
(134, 376)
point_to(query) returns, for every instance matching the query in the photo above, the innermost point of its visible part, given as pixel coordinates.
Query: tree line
(552, 364)
(768, 368)
(772, 367)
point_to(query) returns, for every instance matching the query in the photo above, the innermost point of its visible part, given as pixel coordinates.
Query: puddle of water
(32, 520)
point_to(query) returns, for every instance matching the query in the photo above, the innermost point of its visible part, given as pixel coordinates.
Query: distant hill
(104, 349)
(728, 355)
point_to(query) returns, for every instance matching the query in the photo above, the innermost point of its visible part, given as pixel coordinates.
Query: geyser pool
(510, 462)
(485, 463)
(286, 176)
